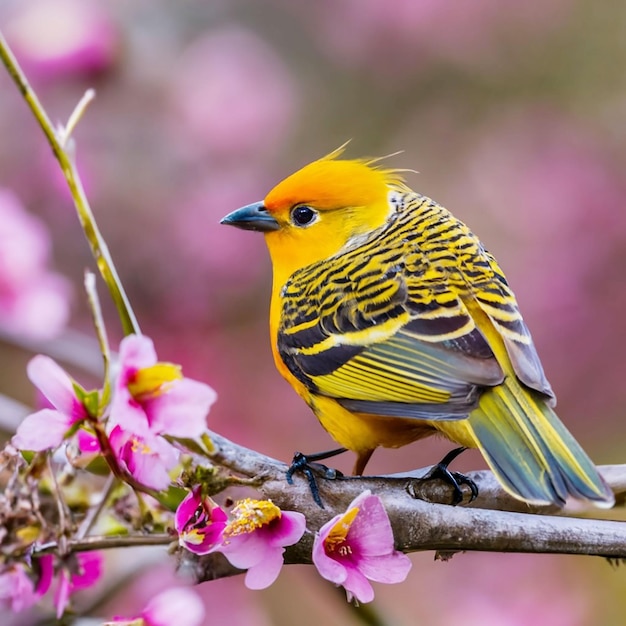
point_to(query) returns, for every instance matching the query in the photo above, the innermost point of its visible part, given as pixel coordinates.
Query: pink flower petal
(55, 385)
(148, 459)
(289, 529)
(16, 589)
(245, 551)
(187, 509)
(177, 407)
(199, 523)
(255, 538)
(87, 442)
(179, 606)
(150, 471)
(62, 593)
(34, 302)
(357, 585)
(253, 552)
(85, 43)
(90, 564)
(127, 413)
(136, 352)
(371, 529)
(181, 411)
(388, 568)
(45, 566)
(329, 568)
(263, 574)
(42, 430)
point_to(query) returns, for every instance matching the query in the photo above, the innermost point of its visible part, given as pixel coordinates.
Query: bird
(393, 322)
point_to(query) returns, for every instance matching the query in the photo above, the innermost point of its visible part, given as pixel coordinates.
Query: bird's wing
(490, 290)
(384, 334)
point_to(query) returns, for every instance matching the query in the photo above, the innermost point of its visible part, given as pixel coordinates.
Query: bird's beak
(252, 217)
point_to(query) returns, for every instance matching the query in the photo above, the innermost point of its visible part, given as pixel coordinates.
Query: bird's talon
(307, 464)
(454, 479)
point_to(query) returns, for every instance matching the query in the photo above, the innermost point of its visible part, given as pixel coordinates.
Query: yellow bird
(393, 323)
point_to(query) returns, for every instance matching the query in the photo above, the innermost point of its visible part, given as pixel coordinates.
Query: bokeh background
(514, 114)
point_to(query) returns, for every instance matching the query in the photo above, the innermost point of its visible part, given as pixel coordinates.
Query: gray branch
(420, 515)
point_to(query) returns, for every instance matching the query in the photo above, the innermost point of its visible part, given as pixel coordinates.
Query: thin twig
(60, 502)
(94, 512)
(74, 118)
(101, 334)
(101, 542)
(58, 142)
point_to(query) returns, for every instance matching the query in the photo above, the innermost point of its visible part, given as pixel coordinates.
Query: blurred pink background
(513, 114)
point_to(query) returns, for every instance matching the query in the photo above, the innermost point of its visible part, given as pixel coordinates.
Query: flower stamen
(337, 537)
(250, 515)
(152, 381)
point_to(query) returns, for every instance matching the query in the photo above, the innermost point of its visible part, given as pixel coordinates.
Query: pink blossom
(87, 442)
(147, 457)
(179, 606)
(153, 398)
(175, 606)
(199, 523)
(358, 545)
(89, 572)
(33, 301)
(83, 40)
(47, 428)
(256, 537)
(18, 591)
(83, 449)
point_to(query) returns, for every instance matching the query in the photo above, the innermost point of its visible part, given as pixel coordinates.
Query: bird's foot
(455, 479)
(309, 466)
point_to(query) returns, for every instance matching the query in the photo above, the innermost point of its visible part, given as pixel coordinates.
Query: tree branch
(494, 522)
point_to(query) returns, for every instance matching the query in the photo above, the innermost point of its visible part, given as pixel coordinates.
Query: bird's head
(320, 209)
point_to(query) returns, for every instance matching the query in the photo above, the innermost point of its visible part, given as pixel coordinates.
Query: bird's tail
(531, 452)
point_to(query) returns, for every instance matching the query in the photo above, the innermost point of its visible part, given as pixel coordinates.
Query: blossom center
(198, 522)
(150, 382)
(251, 514)
(139, 447)
(337, 539)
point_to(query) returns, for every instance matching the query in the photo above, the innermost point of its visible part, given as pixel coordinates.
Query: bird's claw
(455, 479)
(307, 464)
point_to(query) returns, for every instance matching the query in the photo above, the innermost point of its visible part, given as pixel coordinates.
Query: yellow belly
(363, 432)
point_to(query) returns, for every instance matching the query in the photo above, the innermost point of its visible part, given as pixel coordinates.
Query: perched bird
(393, 323)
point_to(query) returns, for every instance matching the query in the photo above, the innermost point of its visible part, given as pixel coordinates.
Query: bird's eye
(303, 215)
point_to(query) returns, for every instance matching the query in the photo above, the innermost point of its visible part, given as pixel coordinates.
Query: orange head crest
(316, 212)
(333, 183)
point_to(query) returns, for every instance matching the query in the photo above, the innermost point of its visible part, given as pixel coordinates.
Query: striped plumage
(393, 323)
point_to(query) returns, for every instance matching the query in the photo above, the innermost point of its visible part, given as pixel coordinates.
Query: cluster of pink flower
(150, 399)
(18, 590)
(349, 550)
